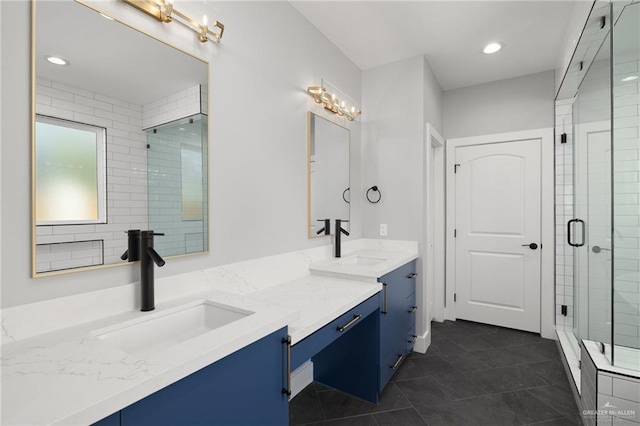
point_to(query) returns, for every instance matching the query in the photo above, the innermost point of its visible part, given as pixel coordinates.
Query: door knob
(598, 249)
(532, 246)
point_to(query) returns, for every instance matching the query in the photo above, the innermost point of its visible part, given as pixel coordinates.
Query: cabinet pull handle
(398, 361)
(412, 275)
(384, 299)
(352, 321)
(413, 338)
(287, 390)
(413, 309)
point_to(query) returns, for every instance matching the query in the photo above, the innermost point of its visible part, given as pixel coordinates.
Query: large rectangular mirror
(120, 140)
(328, 166)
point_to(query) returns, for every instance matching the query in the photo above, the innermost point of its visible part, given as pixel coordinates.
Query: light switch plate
(383, 229)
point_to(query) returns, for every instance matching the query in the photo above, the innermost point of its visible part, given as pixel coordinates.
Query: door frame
(547, 220)
(434, 221)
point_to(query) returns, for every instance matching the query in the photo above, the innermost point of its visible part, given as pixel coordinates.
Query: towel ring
(374, 188)
(344, 197)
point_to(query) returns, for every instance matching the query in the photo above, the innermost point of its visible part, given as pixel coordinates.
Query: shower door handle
(583, 233)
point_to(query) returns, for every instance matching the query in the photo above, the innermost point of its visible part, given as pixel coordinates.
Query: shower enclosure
(177, 185)
(598, 188)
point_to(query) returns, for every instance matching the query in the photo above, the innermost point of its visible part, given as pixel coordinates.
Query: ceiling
(450, 33)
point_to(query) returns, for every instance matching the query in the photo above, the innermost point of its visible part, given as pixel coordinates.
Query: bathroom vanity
(353, 318)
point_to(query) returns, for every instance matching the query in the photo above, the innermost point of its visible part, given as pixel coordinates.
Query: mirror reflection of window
(70, 172)
(191, 183)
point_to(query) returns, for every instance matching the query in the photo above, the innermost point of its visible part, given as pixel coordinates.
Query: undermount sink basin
(361, 260)
(161, 330)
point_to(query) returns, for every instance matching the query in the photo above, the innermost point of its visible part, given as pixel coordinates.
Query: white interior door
(497, 217)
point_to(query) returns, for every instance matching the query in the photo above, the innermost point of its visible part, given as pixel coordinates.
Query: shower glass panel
(177, 185)
(590, 231)
(626, 176)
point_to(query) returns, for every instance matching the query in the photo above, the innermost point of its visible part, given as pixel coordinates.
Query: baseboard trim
(301, 378)
(423, 342)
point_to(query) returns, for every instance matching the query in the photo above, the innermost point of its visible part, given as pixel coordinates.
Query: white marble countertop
(72, 377)
(366, 265)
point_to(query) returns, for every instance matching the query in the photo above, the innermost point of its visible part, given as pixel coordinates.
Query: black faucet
(140, 247)
(339, 231)
(326, 229)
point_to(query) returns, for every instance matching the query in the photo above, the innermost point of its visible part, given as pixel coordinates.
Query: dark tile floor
(472, 375)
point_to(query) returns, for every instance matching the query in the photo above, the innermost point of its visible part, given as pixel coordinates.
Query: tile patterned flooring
(472, 375)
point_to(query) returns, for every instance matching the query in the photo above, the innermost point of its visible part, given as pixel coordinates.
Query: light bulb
(57, 61)
(205, 21)
(492, 48)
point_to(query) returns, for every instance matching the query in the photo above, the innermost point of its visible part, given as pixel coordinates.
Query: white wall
(258, 105)
(395, 99)
(521, 103)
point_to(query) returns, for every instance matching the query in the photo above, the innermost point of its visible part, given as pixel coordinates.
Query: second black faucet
(339, 232)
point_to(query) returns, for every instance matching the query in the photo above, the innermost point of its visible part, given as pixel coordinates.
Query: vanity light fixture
(331, 102)
(630, 78)
(492, 48)
(164, 11)
(57, 61)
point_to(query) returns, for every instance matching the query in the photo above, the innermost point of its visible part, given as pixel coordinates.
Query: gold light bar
(332, 103)
(164, 11)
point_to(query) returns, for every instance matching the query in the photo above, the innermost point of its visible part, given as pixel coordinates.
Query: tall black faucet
(339, 231)
(326, 229)
(140, 247)
(148, 254)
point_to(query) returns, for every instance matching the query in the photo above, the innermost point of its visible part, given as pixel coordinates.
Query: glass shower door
(590, 231)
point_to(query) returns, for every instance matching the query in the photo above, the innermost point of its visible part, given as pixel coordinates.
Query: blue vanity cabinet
(112, 420)
(244, 388)
(397, 319)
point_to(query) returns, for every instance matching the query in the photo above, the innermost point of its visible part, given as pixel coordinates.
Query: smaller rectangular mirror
(328, 174)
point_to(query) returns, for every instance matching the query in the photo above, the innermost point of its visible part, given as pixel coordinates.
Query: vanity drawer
(311, 345)
(389, 365)
(401, 280)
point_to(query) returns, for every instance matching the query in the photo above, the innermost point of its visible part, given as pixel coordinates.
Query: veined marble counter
(55, 371)
(348, 266)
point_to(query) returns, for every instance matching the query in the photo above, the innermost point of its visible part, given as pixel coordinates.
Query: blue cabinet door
(244, 388)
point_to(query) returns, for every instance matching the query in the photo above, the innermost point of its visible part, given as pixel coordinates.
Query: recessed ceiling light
(57, 61)
(630, 78)
(492, 48)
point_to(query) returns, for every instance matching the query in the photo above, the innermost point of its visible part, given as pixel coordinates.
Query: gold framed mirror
(329, 194)
(120, 141)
